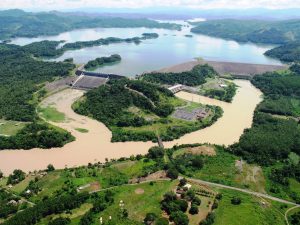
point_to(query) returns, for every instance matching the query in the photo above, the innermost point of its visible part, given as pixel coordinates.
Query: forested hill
(17, 23)
(256, 31)
(20, 75)
(289, 52)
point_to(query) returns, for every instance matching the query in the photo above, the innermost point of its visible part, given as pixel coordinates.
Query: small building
(176, 88)
(12, 202)
(187, 186)
(223, 85)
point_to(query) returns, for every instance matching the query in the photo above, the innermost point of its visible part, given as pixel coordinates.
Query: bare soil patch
(202, 150)
(139, 191)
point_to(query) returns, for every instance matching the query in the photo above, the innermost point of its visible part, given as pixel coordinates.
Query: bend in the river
(96, 145)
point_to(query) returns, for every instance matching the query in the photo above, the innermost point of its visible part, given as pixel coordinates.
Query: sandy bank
(95, 145)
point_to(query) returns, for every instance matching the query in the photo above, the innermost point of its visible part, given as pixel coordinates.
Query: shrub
(60, 221)
(182, 182)
(50, 168)
(236, 201)
(194, 209)
(196, 201)
(179, 218)
(172, 173)
(150, 218)
(162, 221)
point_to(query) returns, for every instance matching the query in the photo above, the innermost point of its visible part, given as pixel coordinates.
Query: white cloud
(62, 4)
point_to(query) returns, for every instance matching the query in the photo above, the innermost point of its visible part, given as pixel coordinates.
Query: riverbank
(95, 145)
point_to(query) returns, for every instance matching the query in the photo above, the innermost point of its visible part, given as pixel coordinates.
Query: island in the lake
(98, 62)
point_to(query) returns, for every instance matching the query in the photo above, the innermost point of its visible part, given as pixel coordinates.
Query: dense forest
(36, 135)
(138, 111)
(257, 31)
(289, 52)
(286, 33)
(109, 103)
(20, 76)
(17, 23)
(272, 138)
(190, 78)
(107, 41)
(93, 64)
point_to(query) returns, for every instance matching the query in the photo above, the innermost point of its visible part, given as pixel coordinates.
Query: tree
(50, 168)
(1, 174)
(236, 201)
(183, 205)
(179, 218)
(182, 182)
(172, 173)
(162, 221)
(156, 152)
(150, 218)
(190, 195)
(197, 162)
(60, 221)
(295, 218)
(196, 201)
(194, 209)
(16, 177)
(209, 220)
(170, 196)
(219, 196)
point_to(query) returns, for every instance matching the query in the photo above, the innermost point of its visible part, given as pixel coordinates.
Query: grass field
(50, 113)
(137, 203)
(251, 211)
(170, 128)
(219, 168)
(9, 128)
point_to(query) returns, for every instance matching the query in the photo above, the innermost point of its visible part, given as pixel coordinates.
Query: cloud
(72, 4)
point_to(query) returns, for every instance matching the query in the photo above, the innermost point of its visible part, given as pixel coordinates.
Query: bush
(196, 201)
(219, 196)
(60, 221)
(172, 173)
(162, 221)
(155, 153)
(182, 182)
(236, 201)
(179, 218)
(150, 218)
(194, 209)
(16, 177)
(209, 220)
(50, 168)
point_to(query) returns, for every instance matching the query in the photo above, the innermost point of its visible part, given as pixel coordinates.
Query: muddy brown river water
(96, 146)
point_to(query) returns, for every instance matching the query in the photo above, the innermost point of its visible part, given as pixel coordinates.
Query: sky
(203, 4)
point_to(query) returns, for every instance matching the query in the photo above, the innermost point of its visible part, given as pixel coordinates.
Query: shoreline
(96, 145)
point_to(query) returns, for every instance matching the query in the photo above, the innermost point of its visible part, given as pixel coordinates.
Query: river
(95, 145)
(172, 47)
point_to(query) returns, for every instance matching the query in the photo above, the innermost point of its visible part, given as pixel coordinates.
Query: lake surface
(172, 47)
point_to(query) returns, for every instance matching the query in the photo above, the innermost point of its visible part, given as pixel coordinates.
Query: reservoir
(172, 47)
